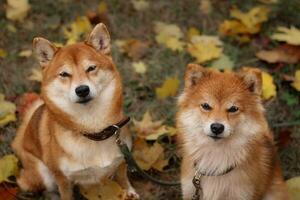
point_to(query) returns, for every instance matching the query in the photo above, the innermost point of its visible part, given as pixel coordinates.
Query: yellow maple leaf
(25, 53)
(268, 86)
(169, 88)
(253, 18)
(164, 129)
(146, 155)
(77, 29)
(8, 167)
(36, 75)
(140, 5)
(3, 53)
(7, 111)
(17, 10)
(296, 82)
(108, 189)
(169, 35)
(139, 67)
(102, 7)
(192, 32)
(205, 48)
(288, 35)
(146, 126)
(223, 62)
(293, 185)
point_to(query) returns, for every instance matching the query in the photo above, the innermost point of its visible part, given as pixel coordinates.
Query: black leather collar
(108, 131)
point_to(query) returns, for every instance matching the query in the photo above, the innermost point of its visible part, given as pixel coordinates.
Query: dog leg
(122, 178)
(65, 187)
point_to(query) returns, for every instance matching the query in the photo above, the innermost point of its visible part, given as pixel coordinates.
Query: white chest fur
(88, 161)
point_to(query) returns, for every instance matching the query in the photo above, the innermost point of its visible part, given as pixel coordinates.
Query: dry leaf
(17, 10)
(145, 155)
(268, 86)
(205, 6)
(3, 53)
(296, 82)
(146, 126)
(169, 88)
(102, 7)
(224, 62)
(288, 35)
(268, 1)
(8, 193)
(25, 53)
(284, 53)
(140, 5)
(293, 185)
(169, 35)
(205, 48)
(77, 29)
(164, 129)
(139, 67)
(8, 167)
(133, 48)
(7, 111)
(107, 190)
(36, 75)
(192, 32)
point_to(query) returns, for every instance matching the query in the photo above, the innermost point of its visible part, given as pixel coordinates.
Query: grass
(47, 17)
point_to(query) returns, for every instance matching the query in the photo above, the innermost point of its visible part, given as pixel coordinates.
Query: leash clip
(117, 134)
(197, 184)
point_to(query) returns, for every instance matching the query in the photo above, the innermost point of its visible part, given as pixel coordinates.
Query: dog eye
(64, 74)
(91, 68)
(233, 109)
(206, 106)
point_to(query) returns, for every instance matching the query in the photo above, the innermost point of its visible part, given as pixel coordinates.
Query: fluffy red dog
(81, 93)
(226, 138)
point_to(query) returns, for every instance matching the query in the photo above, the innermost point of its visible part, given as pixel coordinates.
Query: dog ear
(44, 50)
(252, 77)
(99, 38)
(193, 74)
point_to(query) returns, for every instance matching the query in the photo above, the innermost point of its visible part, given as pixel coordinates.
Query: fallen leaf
(169, 88)
(25, 102)
(268, 86)
(140, 5)
(36, 75)
(288, 35)
(205, 48)
(284, 138)
(8, 193)
(77, 29)
(284, 53)
(296, 82)
(146, 126)
(8, 167)
(268, 1)
(139, 67)
(293, 185)
(107, 190)
(205, 7)
(223, 62)
(192, 32)
(100, 15)
(25, 53)
(146, 155)
(3, 53)
(7, 111)
(164, 129)
(102, 7)
(133, 48)
(169, 35)
(17, 10)
(11, 28)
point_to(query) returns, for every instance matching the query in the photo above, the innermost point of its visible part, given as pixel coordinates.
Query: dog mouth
(84, 100)
(215, 137)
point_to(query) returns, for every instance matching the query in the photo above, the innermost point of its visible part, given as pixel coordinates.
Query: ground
(47, 18)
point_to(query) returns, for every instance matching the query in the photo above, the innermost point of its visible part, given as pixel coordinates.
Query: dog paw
(132, 195)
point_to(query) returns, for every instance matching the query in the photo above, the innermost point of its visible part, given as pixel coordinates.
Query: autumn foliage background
(152, 42)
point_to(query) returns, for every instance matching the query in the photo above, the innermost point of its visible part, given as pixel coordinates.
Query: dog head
(79, 78)
(217, 105)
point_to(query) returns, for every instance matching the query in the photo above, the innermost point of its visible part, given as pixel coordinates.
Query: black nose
(82, 91)
(217, 128)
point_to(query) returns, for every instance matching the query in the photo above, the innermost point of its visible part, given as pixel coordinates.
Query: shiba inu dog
(81, 93)
(225, 137)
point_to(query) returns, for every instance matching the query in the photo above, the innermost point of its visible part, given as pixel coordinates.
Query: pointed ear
(44, 50)
(99, 38)
(252, 78)
(193, 74)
